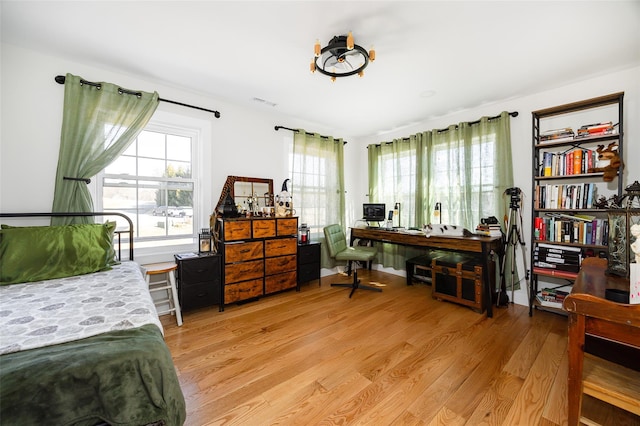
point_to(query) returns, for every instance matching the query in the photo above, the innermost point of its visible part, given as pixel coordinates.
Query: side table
(308, 263)
(199, 280)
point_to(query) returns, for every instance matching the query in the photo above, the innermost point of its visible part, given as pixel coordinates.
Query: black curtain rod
(512, 114)
(310, 134)
(60, 79)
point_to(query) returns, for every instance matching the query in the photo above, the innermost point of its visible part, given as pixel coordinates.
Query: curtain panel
(99, 123)
(466, 168)
(318, 184)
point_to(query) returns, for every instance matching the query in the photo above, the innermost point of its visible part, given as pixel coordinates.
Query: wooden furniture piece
(458, 279)
(259, 256)
(591, 315)
(167, 284)
(483, 246)
(337, 245)
(199, 281)
(308, 263)
(562, 183)
(419, 268)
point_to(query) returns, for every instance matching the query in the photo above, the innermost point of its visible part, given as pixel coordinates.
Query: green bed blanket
(123, 377)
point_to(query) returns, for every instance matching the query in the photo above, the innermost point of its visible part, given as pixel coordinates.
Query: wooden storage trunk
(419, 268)
(458, 278)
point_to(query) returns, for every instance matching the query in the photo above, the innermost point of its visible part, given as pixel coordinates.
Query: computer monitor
(374, 212)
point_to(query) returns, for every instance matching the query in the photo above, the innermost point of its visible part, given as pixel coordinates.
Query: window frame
(199, 130)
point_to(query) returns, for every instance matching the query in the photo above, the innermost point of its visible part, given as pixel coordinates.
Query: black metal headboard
(85, 214)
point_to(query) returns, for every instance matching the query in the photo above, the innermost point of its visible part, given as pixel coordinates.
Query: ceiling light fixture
(341, 57)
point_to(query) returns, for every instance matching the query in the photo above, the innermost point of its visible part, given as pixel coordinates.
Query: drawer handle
(245, 251)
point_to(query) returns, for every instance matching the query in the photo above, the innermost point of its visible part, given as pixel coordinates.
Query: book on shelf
(561, 248)
(557, 267)
(574, 162)
(596, 129)
(555, 272)
(565, 196)
(556, 294)
(547, 303)
(556, 135)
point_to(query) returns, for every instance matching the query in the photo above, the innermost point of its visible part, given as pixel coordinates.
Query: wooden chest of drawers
(259, 256)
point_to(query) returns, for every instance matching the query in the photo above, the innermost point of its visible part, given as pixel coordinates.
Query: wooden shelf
(612, 383)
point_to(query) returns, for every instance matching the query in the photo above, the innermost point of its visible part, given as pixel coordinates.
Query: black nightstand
(199, 281)
(308, 263)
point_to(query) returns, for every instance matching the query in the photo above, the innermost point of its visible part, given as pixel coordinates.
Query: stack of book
(553, 296)
(557, 259)
(491, 230)
(558, 135)
(596, 129)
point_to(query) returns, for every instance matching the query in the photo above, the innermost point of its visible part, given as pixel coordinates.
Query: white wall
(243, 141)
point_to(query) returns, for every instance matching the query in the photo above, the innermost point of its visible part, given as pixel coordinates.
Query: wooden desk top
(588, 295)
(470, 244)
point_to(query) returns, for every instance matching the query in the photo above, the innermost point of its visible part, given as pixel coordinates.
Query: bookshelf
(569, 221)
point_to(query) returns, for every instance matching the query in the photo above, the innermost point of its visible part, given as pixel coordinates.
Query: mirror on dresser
(249, 194)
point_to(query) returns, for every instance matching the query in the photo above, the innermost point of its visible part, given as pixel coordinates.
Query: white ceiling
(432, 57)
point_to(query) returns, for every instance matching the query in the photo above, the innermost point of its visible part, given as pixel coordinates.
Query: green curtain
(466, 168)
(393, 179)
(459, 178)
(99, 123)
(318, 184)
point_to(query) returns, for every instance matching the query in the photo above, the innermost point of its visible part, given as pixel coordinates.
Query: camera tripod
(513, 238)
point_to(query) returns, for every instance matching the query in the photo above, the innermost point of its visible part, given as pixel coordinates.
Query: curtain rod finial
(60, 79)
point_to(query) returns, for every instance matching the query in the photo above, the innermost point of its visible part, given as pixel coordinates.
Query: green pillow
(45, 252)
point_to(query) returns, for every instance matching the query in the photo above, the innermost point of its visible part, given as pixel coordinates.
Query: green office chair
(337, 244)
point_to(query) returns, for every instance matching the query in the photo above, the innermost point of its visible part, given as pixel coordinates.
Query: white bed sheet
(56, 311)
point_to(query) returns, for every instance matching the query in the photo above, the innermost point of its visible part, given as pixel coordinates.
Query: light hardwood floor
(397, 357)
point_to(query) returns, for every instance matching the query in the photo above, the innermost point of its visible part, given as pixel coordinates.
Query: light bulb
(316, 48)
(372, 55)
(312, 66)
(350, 41)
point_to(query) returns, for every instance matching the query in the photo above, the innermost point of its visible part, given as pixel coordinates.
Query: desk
(475, 244)
(591, 314)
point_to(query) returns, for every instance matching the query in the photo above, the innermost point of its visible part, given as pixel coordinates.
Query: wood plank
(396, 357)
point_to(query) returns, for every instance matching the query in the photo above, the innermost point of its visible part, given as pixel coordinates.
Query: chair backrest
(335, 239)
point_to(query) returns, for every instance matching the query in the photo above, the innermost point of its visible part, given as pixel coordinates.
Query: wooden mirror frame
(229, 188)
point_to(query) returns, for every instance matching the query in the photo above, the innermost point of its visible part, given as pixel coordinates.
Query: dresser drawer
(242, 291)
(309, 272)
(199, 295)
(287, 227)
(264, 228)
(243, 271)
(237, 230)
(309, 253)
(242, 251)
(280, 282)
(280, 247)
(276, 265)
(193, 271)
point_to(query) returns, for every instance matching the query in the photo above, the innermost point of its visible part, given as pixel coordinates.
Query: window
(399, 162)
(153, 182)
(464, 177)
(315, 164)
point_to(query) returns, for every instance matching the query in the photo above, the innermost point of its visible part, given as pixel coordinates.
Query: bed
(80, 339)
